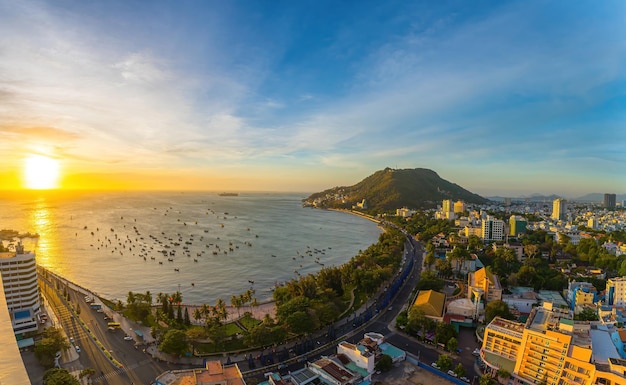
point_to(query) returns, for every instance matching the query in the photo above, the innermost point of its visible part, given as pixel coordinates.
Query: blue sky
(506, 98)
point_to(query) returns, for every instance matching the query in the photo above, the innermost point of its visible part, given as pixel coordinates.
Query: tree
(174, 342)
(503, 374)
(59, 376)
(497, 309)
(299, 322)
(587, 314)
(452, 344)
(186, 317)
(384, 363)
(485, 379)
(444, 362)
(52, 342)
(87, 372)
(459, 370)
(195, 334)
(444, 332)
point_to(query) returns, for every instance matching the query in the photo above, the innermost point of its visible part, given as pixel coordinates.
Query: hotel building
(616, 291)
(551, 348)
(558, 209)
(19, 280)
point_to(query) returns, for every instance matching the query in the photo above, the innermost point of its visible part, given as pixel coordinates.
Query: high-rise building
(446, 205)
(553, 349)
(19, 279)
(517, 225)
(459, 206)
(616, 291)
(610, 200)
(492, 229)
(558, 209)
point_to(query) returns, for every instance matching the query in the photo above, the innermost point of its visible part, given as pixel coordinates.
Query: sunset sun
(41, 172)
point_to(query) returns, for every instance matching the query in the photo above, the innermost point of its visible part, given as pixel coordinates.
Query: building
(432, 303)
(213, 373)
(405, 212)
(552, 349)
(581, 294)
(482, 288)
(12, 370)
(616, 291)
(517, 225)
(558, 209)
(492, 229)
(459, 207)
(19, 279)
(609, 201)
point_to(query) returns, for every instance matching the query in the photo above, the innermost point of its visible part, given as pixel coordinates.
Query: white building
(19, 279)
(492, 229)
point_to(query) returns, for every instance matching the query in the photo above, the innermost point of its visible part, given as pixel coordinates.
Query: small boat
(252, 282)
(176, 270)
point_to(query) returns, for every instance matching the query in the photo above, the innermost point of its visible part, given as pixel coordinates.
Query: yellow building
(459, 206)
(432, 303)
(551, 349)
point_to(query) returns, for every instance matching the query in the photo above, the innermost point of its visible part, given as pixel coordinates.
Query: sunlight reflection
(40, 221)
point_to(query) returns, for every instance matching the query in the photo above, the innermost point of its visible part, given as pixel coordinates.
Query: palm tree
(177, 298)
(236, 303)
(197, 314)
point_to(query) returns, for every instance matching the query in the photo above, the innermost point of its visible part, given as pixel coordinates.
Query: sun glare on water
(41, 172)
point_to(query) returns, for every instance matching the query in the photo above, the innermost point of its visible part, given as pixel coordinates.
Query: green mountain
(389, 189)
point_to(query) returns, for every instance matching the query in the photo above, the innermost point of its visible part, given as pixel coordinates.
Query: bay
(216, 246)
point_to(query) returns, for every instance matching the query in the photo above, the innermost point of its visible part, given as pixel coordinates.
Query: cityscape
(510, 292)
(179, 201)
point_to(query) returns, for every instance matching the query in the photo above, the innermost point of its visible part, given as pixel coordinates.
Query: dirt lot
(407, 373)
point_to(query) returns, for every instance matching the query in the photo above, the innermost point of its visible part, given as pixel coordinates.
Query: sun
(41, 172)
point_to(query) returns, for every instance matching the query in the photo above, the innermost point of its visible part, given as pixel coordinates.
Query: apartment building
(492, 229)
(551, 348)
(616, 291)
(19, 279)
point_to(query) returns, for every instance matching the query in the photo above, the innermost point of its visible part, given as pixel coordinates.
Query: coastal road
(137, 366)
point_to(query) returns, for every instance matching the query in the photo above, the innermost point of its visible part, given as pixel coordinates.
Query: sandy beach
(258, 312)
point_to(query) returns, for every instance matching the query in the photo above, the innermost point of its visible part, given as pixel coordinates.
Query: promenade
(351, 325)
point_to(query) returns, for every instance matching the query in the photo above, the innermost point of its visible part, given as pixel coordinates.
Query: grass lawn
(227, 346)
(249, 322)
(232, 329)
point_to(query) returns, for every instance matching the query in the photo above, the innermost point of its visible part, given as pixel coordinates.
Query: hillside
(389, 189)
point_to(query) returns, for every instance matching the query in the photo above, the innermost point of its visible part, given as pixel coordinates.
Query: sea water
(205, 245)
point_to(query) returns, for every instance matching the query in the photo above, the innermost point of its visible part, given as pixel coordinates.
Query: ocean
(205, 245)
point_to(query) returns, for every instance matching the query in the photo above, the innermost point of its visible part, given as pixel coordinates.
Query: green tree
(459, 370)
(194, 335)
(587, 314)
(503, 374)
(486, 379)
(52, 342)
(186, 317)
(87, 372)
(299, 322)
(174, 342)
(452, 344)
(444, 362)
(384, 364)
(444, 332)
(495, 309)
(59, 376)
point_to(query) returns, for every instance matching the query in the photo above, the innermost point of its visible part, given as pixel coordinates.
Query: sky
(503, 98)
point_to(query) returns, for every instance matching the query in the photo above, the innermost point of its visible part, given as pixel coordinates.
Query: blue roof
(139, 333)
(391, 350)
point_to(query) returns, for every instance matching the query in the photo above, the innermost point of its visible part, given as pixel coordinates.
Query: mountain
(599, 198)
(389, 189)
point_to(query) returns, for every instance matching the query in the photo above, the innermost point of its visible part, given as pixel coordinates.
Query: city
(457, 281)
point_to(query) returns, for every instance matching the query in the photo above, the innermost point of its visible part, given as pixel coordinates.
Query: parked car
(450, 372)
(465, 379)
(476, 352)
(71, 340)
(434, 365)
(128, 338)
